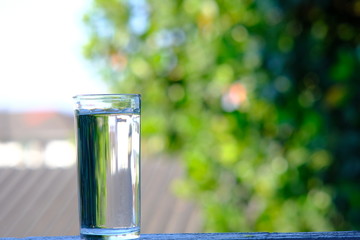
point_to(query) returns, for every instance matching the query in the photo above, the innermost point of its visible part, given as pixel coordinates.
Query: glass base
(109, 233)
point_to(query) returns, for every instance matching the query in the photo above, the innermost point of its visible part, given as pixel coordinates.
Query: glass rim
(105, 95)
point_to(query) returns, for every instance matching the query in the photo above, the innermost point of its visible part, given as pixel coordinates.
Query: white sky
(41, 62)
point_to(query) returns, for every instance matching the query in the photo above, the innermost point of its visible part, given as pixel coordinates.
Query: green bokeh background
(259, 99)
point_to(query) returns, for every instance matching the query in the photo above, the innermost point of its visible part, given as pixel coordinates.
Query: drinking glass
(108, 157)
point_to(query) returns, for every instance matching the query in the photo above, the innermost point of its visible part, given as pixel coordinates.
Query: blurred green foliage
(259, 99)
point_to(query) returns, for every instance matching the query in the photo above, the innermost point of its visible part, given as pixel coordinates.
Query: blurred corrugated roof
(43, 202)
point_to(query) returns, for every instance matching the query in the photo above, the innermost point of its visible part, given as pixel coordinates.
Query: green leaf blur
(259, 100)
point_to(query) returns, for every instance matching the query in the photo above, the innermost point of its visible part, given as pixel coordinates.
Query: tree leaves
(257, 98)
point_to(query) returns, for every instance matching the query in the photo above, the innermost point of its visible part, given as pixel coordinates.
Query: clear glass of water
(108, 157)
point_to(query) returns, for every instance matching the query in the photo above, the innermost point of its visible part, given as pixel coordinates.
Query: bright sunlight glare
(41, 63)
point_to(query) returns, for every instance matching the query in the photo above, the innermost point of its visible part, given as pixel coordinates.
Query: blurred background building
(38, 182)
(35, 139)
